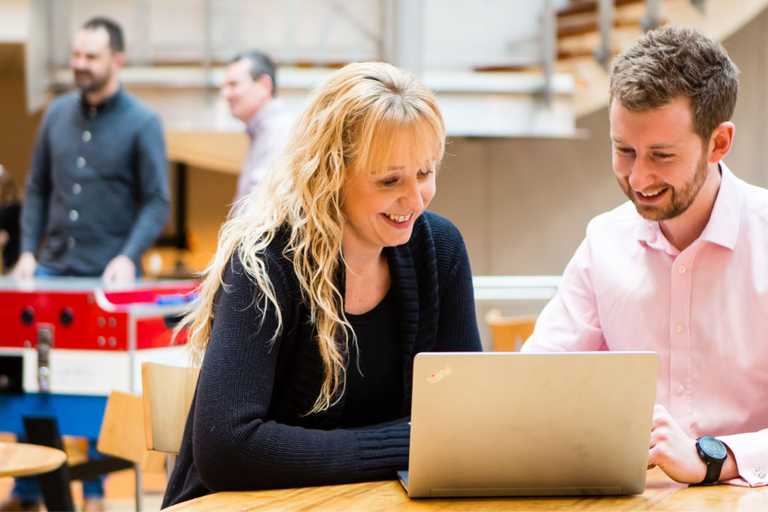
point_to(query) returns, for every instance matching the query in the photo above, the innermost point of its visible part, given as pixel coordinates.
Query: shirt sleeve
(152, 172)
(236, 444)
(35, 207)
(570, 321)
(751, 453)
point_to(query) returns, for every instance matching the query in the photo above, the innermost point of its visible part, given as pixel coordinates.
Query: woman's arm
(457, 330)
(235, 444)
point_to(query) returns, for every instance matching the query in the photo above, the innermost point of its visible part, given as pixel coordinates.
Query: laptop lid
(512, 424)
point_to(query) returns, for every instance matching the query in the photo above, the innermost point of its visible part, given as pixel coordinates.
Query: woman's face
(380, 209)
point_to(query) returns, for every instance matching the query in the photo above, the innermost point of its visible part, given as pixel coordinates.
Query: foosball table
(65, 344)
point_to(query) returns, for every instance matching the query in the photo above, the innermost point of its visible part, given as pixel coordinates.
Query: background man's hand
(120, 271)
(25, 267)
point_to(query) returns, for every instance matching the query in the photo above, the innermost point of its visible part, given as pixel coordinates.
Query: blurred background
(523, 86)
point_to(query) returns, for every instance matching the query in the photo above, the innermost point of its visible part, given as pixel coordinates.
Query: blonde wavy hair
(351, 125)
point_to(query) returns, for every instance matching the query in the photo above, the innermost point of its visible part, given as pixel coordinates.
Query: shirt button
(73, 215)
(679, 328)
(681, 389)
(681, 269)
(77, 188)
(80, 162)
(71, 242)
(87, 136)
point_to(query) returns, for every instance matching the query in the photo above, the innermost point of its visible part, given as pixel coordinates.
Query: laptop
(512, 424)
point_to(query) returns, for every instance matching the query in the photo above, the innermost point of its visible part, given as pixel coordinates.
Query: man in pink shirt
(682, 268)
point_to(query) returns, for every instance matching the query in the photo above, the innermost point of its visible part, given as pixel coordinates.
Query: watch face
(713, 448)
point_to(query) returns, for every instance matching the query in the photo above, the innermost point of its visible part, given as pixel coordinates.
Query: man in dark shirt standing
(97, 194)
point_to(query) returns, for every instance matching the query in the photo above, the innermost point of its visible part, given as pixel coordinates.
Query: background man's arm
(153, 191)
(35, 208)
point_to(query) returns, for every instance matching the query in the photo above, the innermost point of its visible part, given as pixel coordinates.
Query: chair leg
(139, 487)
(54, 485)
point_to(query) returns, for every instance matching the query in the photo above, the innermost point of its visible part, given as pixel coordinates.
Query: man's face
(92, 62)
(244, 95)
(659, 161)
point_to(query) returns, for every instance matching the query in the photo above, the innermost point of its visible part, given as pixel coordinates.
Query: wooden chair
(122, 432)
(168, 393)
(508, 333)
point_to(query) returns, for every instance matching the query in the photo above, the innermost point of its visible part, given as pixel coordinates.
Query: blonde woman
(319, 298)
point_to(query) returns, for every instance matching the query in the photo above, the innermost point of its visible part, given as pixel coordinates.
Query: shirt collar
(94, 110)
(724, 221)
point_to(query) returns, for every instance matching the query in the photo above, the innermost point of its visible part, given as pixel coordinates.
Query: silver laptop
(512, 424)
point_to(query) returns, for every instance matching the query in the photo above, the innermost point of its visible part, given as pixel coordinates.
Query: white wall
(457, 34)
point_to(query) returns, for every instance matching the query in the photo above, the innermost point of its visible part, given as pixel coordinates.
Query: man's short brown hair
(674, 62)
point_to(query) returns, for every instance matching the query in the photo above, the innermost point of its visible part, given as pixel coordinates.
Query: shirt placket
(82, 163)
(681, 382)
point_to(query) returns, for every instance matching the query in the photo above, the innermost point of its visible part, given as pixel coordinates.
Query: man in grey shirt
(97, 193)
(250, 88)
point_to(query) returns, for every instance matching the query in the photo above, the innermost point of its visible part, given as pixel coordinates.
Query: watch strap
(714, 466)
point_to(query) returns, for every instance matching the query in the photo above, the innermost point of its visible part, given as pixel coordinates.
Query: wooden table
(20, 459)
(661, 494)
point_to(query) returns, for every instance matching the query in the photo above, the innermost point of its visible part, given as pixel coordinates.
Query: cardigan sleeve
(235, 444)
(457, 330)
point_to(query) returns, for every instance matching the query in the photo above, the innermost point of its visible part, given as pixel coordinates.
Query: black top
(9, 222)
(98, 186)
(248, 426)
(375, 378)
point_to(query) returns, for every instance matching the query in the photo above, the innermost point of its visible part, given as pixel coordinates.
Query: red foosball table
(66, 343)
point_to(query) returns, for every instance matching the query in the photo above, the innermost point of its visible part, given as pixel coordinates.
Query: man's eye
(663, 155)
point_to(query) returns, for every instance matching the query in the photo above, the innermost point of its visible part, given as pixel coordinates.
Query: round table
(21, 459)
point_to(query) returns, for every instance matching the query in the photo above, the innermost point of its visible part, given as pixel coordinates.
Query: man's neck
(95, 98)
(684, 229)
(255, 115)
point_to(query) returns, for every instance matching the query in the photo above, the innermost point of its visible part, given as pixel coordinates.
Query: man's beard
(678, 202)
(88, 82)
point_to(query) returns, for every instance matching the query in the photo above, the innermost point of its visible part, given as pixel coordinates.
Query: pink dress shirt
(703, 310)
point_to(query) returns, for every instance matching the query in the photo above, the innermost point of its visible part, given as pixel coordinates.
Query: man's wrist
(730, 468)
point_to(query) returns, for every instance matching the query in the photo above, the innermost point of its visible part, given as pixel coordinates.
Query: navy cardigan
(248, 426)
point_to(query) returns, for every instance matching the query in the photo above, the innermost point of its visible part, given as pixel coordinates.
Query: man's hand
(25, 267)
(673, 451)
(120, 271)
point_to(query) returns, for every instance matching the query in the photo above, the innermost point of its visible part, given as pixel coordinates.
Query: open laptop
(512, 424)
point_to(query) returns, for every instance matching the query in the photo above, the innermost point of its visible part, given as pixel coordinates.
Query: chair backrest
(508, 333)
(168, 393)
(122, 429)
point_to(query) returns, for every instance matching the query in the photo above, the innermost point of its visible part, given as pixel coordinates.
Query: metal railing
(651, 19)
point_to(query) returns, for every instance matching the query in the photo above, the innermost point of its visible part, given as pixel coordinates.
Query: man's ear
(266, 81)
(721, 142)
(119, 59)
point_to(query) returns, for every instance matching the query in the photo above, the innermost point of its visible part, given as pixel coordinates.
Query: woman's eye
(388, 182)
(424, 174)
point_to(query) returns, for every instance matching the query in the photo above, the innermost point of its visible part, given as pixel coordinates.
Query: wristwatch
(713, 452)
